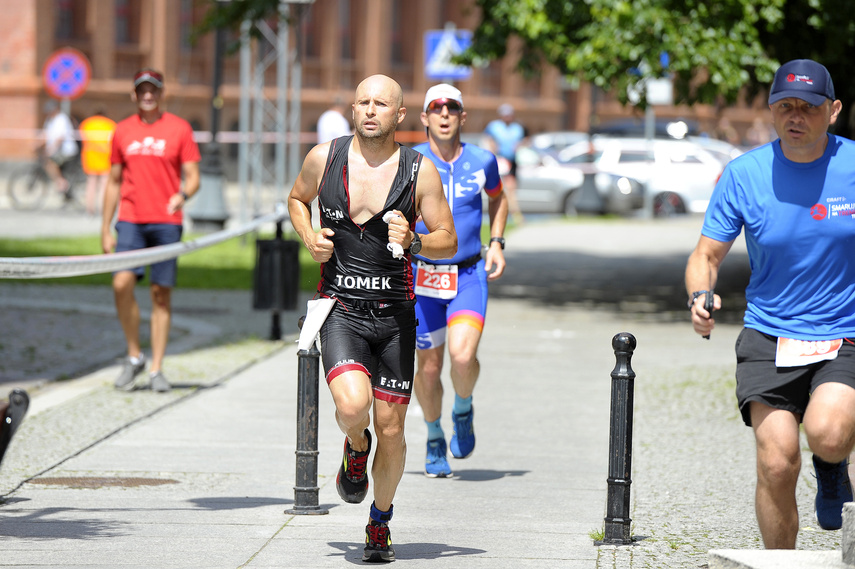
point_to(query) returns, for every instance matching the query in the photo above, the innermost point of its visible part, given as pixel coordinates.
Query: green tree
(715, 49)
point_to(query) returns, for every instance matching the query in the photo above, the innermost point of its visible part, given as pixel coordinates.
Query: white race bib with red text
(436, 281)
(792, 353)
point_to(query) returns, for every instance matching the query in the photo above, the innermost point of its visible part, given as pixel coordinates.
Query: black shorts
(381, 342)
(787, 388)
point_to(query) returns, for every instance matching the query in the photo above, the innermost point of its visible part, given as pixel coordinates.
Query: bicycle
(30, 185)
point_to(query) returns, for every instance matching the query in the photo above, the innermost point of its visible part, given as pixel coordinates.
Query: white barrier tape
(75, 266)
(200, 136)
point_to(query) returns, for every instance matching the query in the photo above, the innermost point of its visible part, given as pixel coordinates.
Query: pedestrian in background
(60, 144)
(151, 152)
(451, 293)
(96, 134)
(373, 191)
(795, 200)
(333, 123)
(506, 135)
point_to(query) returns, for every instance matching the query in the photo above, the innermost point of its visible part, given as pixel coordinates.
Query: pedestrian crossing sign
(440, 47)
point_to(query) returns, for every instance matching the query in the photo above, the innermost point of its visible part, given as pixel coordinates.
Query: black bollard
(617, 528)
(306, 485)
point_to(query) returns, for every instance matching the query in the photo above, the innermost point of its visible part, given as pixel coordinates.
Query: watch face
(416, 244)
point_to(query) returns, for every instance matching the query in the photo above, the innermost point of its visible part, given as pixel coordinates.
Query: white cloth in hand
(396, 248)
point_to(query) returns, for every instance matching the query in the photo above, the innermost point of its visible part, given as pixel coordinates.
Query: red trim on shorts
(391, 396)
(344, 368)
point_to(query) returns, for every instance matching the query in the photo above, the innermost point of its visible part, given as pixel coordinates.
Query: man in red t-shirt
(151, 152)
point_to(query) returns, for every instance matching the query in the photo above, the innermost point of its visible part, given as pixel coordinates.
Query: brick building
(341, 42)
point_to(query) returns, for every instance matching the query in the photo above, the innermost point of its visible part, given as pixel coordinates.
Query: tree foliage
(715, 49)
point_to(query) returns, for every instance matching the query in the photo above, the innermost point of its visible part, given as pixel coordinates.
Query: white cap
(505, 110)
(442, 91)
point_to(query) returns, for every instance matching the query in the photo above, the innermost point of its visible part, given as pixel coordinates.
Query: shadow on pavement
(648, 286)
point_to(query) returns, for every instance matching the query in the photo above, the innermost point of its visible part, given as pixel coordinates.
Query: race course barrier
(74, 266)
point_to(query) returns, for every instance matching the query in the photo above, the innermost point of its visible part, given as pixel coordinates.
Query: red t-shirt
(151, 156)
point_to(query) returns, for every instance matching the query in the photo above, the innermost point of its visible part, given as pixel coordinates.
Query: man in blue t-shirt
(451, 294)
(795, 199)
(505, 135)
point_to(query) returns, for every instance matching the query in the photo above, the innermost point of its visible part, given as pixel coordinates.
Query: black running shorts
(787, 388)
(381, 342)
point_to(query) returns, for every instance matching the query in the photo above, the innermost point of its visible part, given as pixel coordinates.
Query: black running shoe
(378, 543)
(352, 479)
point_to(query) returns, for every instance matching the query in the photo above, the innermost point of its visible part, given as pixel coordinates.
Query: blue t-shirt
(474, 170)
(507, 137)
(799, 221)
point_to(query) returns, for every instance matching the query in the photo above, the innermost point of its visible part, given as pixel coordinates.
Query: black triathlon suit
(372, 326)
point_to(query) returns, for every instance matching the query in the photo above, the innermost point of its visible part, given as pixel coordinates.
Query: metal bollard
(617, 528)
(306, 485)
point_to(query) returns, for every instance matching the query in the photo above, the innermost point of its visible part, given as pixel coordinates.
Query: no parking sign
(66, 74)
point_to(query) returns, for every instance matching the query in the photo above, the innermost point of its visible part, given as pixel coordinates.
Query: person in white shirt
(333, 124)
(60, 143)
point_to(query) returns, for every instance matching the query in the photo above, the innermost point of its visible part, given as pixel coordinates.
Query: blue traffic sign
(440, 47)
(66, 74)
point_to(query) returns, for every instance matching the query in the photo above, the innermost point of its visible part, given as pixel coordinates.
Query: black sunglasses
(436, 105)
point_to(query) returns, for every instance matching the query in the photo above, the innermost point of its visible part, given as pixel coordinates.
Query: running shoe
(436, 464)
(833, 489)
(463, 439)
(352, 479)
(378, 543)
(159, 383)
(129, 372)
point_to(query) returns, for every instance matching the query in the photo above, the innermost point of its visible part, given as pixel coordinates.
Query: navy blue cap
(803, 79)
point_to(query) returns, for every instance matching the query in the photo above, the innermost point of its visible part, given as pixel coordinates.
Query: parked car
(679, 175)
(544, 185)
(635, 127)
(552, 142)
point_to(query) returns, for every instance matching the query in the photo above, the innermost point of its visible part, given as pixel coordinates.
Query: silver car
(679, 175)
(544, 185)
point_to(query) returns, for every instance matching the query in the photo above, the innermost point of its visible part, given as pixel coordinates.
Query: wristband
(499, 240)
(695, 296)
(184, 195)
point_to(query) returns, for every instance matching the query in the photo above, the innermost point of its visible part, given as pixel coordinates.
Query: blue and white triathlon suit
(463, 180)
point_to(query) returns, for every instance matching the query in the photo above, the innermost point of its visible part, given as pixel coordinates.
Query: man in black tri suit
(368, 340)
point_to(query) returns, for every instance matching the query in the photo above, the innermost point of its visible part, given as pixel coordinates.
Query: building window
(185, 19)
(70, 20)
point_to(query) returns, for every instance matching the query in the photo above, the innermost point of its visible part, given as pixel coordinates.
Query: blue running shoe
(436, 465)
(463, 439)
(833, 489)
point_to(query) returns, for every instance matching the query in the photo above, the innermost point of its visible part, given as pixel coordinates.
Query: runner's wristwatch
(415, 244)
(499, 240)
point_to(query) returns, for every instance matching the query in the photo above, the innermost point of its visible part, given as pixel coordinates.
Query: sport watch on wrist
(416, 244)
(499, 240)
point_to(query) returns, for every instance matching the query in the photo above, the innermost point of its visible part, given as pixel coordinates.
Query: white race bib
(436, 281)
(792, 353)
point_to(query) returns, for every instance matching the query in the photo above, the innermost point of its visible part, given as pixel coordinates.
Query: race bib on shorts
(436, 281)
(792, 353)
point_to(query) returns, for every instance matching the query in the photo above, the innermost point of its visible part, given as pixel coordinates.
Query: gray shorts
(787, 388)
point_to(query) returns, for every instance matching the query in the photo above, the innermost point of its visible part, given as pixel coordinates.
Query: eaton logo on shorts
(363, 283)
(395, 384)
(149, 146)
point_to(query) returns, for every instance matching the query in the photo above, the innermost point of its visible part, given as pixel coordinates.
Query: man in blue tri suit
(451, 294)
(795, 357)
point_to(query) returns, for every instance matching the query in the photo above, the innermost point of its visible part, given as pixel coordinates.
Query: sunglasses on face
(436, 105)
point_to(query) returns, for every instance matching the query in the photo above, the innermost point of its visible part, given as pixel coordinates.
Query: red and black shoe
(352, 479)
(378, 543)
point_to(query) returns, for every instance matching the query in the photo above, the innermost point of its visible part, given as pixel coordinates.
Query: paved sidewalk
(201, 476)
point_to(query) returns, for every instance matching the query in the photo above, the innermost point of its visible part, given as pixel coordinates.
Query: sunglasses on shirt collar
(436, 105)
